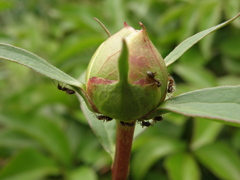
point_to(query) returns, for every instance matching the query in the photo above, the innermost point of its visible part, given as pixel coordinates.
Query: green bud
(127, 77)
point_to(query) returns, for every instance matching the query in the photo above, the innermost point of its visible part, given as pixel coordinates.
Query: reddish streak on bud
(97, 80)
(126, 25)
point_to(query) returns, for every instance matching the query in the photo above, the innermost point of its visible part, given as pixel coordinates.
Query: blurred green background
(45, 136)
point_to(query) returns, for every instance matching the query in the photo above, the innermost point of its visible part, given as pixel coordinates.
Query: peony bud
(127, 77)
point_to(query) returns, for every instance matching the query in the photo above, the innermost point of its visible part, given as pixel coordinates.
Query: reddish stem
(120, 168)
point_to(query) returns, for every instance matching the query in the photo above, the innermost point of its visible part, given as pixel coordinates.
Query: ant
(127, 123)
(67, 90)
(146, 124)
(157, 118)
(152, 75)
(171, 83)
(104, 118)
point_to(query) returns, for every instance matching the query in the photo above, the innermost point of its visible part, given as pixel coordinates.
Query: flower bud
(127, 77)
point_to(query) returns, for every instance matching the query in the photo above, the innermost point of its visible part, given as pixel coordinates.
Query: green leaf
(28, 165)
(205, 132)
(221, 103)
(11, 139)
(105, 132)
(186, 44)
(36, 63)
(210, 16)
(82, 173)
(221, 160)
(182, 166)
(150, 153)
(46, 132)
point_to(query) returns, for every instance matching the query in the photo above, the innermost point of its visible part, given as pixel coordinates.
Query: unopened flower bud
(127, 77)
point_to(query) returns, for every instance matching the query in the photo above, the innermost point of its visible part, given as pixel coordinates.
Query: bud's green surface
(119, 82)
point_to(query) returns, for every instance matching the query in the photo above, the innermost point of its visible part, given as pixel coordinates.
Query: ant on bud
(146, 124)
(67, 90)
(151, 75)
(127, 123)
(157, 118)
(171, 83)
(104, 118)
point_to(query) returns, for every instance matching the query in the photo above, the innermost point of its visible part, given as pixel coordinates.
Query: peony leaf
(221, 103)
(30, 60)
(189, 42)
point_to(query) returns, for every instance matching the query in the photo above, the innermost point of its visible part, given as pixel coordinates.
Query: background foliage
(43, 133)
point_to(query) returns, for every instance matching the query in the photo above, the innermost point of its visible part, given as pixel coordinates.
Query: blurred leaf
(152, 151)
(196, 75)
(182, 166)
(12, 139)
(230, 46)
(193, 57)
(220, 103)
(28, 165)
(105, 131)
(229, 80)
(221, 160)
(186, 44)
(34, 62)
(189, 20)
(235, 140)
(232, 65)
(82, 172)
(204, 132)
(44, 131)
(75, 45)
(232, 7)
(210, 16)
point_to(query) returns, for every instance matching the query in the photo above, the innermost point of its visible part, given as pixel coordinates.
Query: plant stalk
(124, 138)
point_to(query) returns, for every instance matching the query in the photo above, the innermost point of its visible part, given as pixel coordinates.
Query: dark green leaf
(182, 166)
(205, 132)
(221, 160)
(28, 165)
(46, 132)
(150, 153)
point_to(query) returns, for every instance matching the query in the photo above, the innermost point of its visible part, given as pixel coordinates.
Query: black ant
(152, 75)
(146, 124)
(67, 90)
(127, 123)
(104, 118)
(171, 83)
(157, 118)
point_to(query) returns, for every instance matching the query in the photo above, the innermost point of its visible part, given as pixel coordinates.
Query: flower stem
(120, 168)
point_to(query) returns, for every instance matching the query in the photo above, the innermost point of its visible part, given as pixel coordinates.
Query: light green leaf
(46, 132)
(182, 166)
(204, 132)
(105, 131)
(221, 103)
(210, 16)
(28, 165)
(186, 44)
(150, 153)
(82, 173)
(221, 160)
(28, 59)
